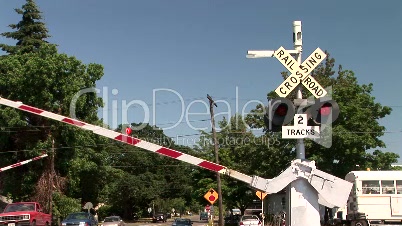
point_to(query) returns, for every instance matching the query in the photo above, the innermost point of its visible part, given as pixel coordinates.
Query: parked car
(250, 220)
(203, 216)
(80, 218)
(24, 213)
(159, 217)
(182, 222)
(113, 221)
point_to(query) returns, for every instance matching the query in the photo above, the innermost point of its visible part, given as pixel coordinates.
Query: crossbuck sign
(300, 73)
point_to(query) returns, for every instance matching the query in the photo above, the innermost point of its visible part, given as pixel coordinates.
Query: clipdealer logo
(115, 113)
(118, 112)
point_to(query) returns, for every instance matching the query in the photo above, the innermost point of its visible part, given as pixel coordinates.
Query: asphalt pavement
(148, 222)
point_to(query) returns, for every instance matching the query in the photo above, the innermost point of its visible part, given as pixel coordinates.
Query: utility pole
(300, 190)
(51, 179)
(218, 176)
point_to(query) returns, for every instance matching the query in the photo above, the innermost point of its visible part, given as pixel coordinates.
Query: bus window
(399, 187)
(388, 187)
(371, 187)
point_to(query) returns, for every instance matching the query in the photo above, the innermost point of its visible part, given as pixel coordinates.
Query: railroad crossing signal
(300, 73)
(261, 195)
(281, 111)
(211, 196)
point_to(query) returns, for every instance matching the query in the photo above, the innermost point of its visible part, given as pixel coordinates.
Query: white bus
(376, 197)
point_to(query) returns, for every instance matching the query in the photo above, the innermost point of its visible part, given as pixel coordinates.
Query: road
(195, 219)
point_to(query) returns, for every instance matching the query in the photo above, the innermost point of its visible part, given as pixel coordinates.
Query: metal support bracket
(332, 191)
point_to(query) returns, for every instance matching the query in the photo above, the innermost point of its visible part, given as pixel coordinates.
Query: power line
(183, 135)
(218, 99)
(192, 99)
(171, 123)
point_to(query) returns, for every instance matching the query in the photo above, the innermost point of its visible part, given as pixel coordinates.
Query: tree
(49, 80)
(382, 161)
(146, 178)
(30, 32)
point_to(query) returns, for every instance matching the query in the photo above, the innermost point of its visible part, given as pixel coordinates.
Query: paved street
(194, 218)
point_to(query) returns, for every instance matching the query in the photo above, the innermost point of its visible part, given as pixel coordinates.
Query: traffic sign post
(261, 195)
(211, 196)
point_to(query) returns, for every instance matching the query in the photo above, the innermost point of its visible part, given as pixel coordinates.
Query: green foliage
(30, 32)
(104, 211)
(356, 130)
(63, 205)
(381, 161)
(166, 205)
(144, 177)
(54, 79)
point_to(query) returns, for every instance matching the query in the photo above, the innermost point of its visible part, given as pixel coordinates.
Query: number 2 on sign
(300, 122)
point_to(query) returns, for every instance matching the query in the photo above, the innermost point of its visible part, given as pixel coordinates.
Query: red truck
(24, 214)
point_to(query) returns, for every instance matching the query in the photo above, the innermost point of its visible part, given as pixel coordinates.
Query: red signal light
(325, 110)
(281, 110)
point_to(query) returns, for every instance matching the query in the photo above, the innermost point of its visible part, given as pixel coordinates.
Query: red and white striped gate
(22, 162)
(130, 140)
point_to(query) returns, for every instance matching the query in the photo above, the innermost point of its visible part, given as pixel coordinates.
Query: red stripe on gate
(36, 158)
(169, 152)
(211, 166)
(15, 165)
(73, 122)
(127, 139)
(30, 109)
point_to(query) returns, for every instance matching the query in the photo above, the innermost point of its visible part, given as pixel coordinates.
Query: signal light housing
(324, 111)
(279, 112)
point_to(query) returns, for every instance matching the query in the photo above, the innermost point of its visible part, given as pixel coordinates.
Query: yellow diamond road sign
(260, 194)
(211, 196)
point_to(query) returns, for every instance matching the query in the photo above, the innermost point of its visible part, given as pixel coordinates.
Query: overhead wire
(170, 123)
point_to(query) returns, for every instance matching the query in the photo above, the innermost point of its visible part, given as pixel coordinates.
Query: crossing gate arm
(131, 141)
(22, 163)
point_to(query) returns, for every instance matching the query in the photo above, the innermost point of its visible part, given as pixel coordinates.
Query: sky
(161, 58)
